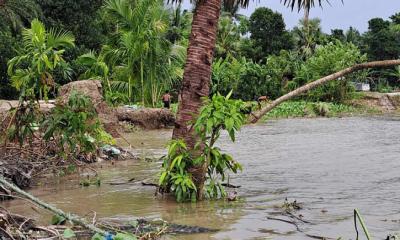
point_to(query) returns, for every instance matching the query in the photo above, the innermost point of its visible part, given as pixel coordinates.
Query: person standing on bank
(166, 98)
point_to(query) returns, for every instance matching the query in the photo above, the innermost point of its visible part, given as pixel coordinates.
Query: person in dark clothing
(166, 98)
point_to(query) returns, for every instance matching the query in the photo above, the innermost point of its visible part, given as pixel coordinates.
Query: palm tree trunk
(196, 78)
(386, 63)
(306, 18)
(130, 88)
(141, 79)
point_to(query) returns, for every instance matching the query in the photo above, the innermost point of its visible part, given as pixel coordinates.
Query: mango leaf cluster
(219, 114)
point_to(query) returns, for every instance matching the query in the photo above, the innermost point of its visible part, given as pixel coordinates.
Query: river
(329, 165)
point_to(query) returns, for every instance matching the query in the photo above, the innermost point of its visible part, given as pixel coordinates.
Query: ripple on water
(329, 165)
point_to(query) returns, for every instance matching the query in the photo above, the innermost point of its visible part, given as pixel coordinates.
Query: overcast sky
(354, 13)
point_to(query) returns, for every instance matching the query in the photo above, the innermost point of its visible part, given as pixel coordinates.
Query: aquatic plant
(357, 216)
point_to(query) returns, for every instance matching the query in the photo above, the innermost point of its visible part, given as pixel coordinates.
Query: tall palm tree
(308, 37)
(197, 74)
(306, 5)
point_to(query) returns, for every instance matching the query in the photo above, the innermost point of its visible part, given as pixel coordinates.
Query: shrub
(329, 59)
(75, 127)
(219, 113)
(246, 79)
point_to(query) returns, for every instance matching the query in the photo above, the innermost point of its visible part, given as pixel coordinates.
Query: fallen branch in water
(299, 229)
(68, 216)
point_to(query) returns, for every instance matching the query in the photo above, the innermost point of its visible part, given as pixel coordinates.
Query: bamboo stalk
(68, 216)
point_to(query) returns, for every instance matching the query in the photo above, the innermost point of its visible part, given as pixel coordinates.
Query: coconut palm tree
(228, 37)
(197, 74)
(308, 37)
(306, 5)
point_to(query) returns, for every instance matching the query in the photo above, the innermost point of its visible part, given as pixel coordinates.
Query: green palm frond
(21, 77)
(120, 10)
(87, 59)
(304, 4)
(119, 86)
(59, 38)
(35, 36)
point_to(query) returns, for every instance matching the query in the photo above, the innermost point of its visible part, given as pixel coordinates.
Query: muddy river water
(330, 166)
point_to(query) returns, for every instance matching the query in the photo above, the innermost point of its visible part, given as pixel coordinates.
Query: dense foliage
(144, 53)
(326, 60)
(268, 33)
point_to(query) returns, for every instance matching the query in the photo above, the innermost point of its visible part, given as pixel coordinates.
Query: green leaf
(69, 233)
(57, 220)
(98, 236)
(134, 223)
(124, 236)
(210, 124)
(232, 135)
(229, 122)
(162, 178)
(229, 95)
(178, 159)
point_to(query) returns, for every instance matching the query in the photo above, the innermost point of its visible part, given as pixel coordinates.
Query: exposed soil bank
(147, 118)
(385, 102)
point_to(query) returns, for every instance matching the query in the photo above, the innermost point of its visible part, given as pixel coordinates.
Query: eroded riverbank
(330, 165)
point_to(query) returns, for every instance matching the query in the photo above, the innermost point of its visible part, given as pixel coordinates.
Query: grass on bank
(307, 109)
(299, 109)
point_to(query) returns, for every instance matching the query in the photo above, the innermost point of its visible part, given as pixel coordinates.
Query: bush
(282, 68)
(75, 127)
(246, 79)
(329, 59)
(254, 82)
